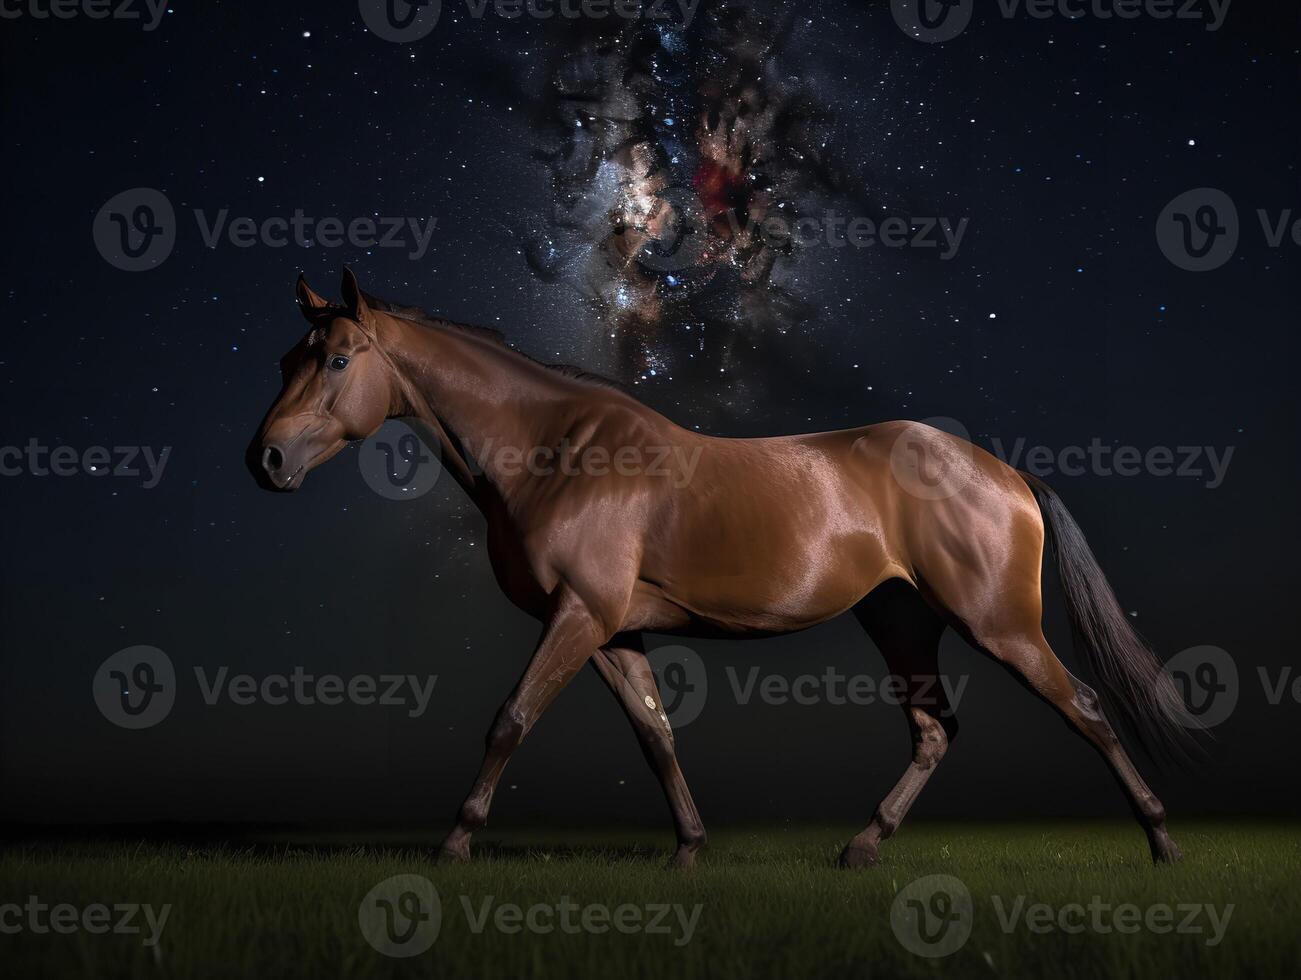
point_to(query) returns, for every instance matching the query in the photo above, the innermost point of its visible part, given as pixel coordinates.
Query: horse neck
(480, 398)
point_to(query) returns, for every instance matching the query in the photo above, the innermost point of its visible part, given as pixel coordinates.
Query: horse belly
(795, 551)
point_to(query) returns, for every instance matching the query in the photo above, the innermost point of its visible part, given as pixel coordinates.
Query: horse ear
(353, 299)
(308, 301)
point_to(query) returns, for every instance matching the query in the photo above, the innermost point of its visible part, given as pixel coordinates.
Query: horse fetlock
(506, 733)
(695, 838)
(456, 848)
(1153, 811)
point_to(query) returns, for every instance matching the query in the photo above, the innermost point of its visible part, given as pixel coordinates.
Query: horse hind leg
(1028, 656)
(908, 634)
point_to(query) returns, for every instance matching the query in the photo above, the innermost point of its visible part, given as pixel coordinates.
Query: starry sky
(1058, 322)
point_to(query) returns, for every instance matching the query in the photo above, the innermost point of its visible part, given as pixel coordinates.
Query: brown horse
(606, 520)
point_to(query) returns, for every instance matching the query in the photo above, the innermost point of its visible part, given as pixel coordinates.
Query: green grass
(772, 904)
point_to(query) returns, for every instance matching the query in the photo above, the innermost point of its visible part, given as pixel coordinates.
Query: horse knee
(886, 823)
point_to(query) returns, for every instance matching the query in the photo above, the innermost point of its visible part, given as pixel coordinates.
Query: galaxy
(683, 159)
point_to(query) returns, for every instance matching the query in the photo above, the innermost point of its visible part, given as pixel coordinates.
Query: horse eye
(338, 362)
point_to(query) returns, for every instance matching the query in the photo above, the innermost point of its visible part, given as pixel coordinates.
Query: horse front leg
(569, 639)
(623, 666)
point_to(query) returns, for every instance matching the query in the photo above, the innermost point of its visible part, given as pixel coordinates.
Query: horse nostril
(272, 459)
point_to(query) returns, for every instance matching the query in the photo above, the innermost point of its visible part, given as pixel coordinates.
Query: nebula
(679, 156)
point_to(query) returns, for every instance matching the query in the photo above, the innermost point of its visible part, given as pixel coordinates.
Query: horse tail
(1146, 695)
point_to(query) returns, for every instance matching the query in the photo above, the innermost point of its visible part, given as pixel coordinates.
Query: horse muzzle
(280, 464)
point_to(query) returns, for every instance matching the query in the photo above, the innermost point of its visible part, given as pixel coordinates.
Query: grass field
(764, 903)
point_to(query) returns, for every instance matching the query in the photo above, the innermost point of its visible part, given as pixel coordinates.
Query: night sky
(1058, 322)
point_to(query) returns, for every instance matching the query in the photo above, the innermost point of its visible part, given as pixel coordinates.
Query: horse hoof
(856, 858)
(1164, 850)
(452, 854)
(1169, 854)
(682, 860)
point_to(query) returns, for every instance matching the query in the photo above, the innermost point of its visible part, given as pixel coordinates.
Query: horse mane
(415, 314)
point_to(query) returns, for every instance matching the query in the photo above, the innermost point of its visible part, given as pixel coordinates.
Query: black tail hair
(1150, 703)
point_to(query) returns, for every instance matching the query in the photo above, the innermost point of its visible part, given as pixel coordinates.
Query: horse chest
(514, 571)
